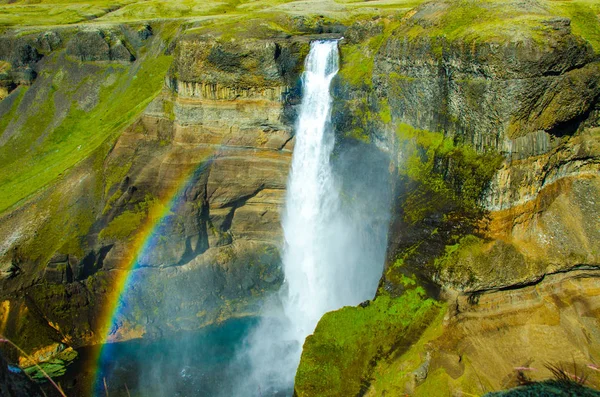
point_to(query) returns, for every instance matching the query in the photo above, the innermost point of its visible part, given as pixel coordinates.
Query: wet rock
(14, 382)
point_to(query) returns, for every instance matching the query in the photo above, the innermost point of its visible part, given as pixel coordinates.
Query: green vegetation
(585, 18)
(338, 359)
(124, 226)
(50, 143)
(391, 375)
(69, 218)
(357, 60)
(448, 176)
(55, 12)
(54, 367)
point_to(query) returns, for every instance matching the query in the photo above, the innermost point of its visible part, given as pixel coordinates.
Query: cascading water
(333, 250)
(312, 202)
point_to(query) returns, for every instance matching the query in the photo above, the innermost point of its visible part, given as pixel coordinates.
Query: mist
(335, 225)
(335, 222)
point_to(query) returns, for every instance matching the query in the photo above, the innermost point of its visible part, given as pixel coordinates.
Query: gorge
(153, 239)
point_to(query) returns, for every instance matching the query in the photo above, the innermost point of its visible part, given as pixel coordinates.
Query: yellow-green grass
(41, 151)
(471, 19)
(60, 12)
(338, 358)
(56, 12)
(585, 18)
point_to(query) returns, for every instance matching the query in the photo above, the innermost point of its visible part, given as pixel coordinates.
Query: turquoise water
(184, 364)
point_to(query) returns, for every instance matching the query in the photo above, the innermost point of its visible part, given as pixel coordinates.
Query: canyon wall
(167, 146)
(185, 202)
(494, 248)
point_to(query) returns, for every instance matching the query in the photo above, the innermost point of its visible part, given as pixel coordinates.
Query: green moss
(338, 359)
(391, 376)
(466, 243)
(444, 174)
(584, 19)
(124, 226)
(365, 117)
(357, 67)
(71, 216)
(168, 109)
(114, 173)
(358, 60)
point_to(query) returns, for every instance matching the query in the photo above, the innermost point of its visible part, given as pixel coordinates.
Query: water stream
(326, 261)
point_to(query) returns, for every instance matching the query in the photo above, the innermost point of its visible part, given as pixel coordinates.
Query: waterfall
(312, 202)
(333, 249)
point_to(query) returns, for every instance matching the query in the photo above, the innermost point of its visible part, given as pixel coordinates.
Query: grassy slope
(43, 145)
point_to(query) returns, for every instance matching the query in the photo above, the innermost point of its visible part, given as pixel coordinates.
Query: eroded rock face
(488, 93)
(554, 321)
(98, 45)
(191, 192)
(497, 340)
(533, 101)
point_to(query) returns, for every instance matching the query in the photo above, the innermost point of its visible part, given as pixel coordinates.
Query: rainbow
(142, 243)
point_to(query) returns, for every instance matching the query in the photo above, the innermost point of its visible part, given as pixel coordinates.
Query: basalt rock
(97, 45)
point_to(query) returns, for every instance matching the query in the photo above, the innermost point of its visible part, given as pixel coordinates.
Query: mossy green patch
(357, 60)
(392, 375)
(124, 226)
(585, 18)
(338, 359)
(447, 175)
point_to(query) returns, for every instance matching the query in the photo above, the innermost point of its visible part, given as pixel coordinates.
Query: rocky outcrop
(531, 99)
(488, 92)
(497, 340)
(495, 137)
(97, 45)
(191, 192)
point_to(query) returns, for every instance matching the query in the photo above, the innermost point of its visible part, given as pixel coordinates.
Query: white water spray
(312, 203)
(329, 257)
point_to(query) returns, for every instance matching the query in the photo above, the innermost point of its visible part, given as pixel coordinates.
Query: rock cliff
(191, 191)
(166, 144)
(495, 135)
